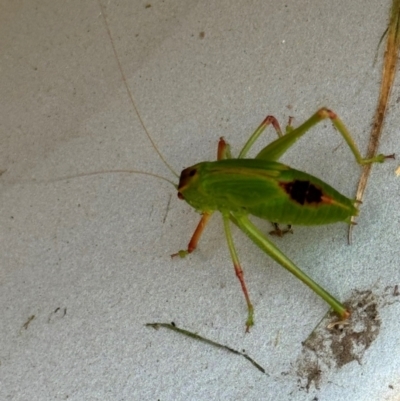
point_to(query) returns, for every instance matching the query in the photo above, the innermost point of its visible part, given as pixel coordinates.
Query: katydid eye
(192, 173)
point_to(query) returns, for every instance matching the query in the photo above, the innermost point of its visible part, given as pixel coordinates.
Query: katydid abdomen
(266, 189)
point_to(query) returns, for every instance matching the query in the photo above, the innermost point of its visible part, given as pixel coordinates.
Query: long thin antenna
(69, 177)
(129, 91)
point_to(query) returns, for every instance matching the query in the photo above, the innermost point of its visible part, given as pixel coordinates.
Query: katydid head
(187, 180)
(187, 177)
(191, 189)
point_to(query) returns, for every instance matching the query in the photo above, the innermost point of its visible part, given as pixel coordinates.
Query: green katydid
(263, 187)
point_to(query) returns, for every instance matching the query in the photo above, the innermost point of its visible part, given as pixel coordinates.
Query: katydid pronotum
(263, 187)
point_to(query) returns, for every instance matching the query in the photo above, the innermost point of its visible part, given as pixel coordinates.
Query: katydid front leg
(238, 271)
(195, 237)
(223, 152)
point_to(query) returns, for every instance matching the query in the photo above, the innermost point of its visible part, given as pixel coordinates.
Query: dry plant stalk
(388, 75)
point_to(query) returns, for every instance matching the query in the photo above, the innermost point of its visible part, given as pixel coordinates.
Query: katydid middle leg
(224, 153)
(279, 232)
(269, 120)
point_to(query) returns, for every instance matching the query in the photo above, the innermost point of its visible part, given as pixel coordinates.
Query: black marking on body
(303, 192)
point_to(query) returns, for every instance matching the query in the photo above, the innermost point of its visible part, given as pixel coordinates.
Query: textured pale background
(99, 246)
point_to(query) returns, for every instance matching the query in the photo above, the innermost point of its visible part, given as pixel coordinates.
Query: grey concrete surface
(85, 262)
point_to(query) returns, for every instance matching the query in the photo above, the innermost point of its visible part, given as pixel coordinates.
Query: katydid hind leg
(270, 249)
(238, 271)
(195, 237)
(276, 149)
